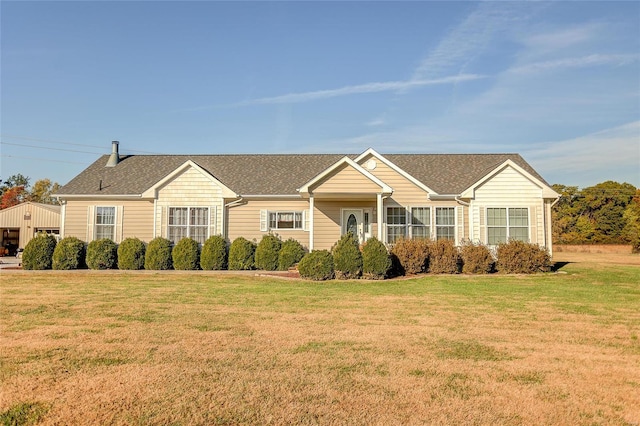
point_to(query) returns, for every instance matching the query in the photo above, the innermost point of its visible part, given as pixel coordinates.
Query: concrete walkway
(10, 262)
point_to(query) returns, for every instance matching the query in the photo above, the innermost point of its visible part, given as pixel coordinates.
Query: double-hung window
(285, 220)
(192, 222)
(396, 224)
(445, 223)
(105, 225)
(505, 224)
(420, 222)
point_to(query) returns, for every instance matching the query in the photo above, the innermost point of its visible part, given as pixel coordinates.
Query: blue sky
(558, 82)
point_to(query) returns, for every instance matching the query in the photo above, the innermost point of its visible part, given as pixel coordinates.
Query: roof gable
(153, 191)
(50, 207)
(547, 191)
(329, 173)
(394, 167)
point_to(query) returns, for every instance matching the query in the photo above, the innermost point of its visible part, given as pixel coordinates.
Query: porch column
(311, 208)
(380, 216)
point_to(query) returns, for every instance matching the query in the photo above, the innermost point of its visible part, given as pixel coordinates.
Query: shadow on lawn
(559, 265)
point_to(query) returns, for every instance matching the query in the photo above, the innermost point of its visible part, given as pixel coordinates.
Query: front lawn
(110, 347)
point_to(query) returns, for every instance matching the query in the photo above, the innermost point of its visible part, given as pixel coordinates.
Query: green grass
(204, 348)
(23, 414)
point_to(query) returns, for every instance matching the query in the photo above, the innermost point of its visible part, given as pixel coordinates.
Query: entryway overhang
(345, 180)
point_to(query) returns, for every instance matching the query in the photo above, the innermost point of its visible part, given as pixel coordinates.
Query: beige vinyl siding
(346, 180)
(244, 220)
(327, 219)
(507, 186)
(135, 218)
(190, 188)
(507, 189)
(405, 192)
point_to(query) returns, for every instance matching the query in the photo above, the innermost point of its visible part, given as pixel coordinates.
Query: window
(420, 222)
(445, 223)
(505, 224)
(105, 223)
(192, 222)
(285, 220)
(396, 224)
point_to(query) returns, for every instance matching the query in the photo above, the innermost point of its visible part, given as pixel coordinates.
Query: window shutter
(483, 225)
(119, 220)
(533, 224)
(305, 220)
(163, 222)
(213, 221)
(263, 220)
(90, 220)
(459, 224)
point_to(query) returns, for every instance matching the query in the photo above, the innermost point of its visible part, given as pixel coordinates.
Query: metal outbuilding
(20, 223)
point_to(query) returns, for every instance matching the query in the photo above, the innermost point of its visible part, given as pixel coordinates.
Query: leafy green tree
(42, 191)
(595, 214)
(14, 180)
(603, 205)
(632, 218)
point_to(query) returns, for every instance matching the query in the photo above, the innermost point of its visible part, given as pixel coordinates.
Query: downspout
(464, 203)
(155, 216)
(237, 202)
(225, 208)
(63, 213)
(548, 236)
(311, 224)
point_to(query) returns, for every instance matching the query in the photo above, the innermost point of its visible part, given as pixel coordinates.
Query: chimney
(114, 158)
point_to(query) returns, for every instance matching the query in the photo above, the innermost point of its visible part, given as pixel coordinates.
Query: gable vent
(114, 158)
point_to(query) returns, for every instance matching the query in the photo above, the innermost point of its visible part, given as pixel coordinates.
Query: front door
(352, 222)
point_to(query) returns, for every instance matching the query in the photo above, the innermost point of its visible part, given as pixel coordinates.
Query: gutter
(442, 197)
(270, 196)
(102, 196)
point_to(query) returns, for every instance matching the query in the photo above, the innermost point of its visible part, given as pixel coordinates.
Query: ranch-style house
(314, 198)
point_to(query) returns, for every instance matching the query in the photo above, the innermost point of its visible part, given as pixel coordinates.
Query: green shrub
(158, 255)
(317, 265)
(102, 254)
(267, 252)
(518, 257)
(410, 256)
(375, 260)
(213, 256)
(241, 254)
(476, 259)
(186, 255)
(69, 254)
(347, 259)
(291, 252)
(38, 253)
(131, 254)
(444, 257)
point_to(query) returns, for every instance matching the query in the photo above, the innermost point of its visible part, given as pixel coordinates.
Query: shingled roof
(270, 174)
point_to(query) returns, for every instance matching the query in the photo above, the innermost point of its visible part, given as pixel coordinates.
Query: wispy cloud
(577, 62)
(563, 38)
(375, 87)
(468, 40)
(611, 150)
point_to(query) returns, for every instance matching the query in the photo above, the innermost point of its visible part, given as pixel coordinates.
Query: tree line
(606, 213)
(16, 189)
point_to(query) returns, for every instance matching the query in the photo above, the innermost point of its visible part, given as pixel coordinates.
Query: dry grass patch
(151, 349)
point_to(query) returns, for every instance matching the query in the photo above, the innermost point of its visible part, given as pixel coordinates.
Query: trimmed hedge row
(346, 260)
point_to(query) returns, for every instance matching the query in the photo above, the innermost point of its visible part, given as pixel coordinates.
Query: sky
(557, 82)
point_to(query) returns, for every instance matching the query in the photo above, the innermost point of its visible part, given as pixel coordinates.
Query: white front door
(352, 222)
